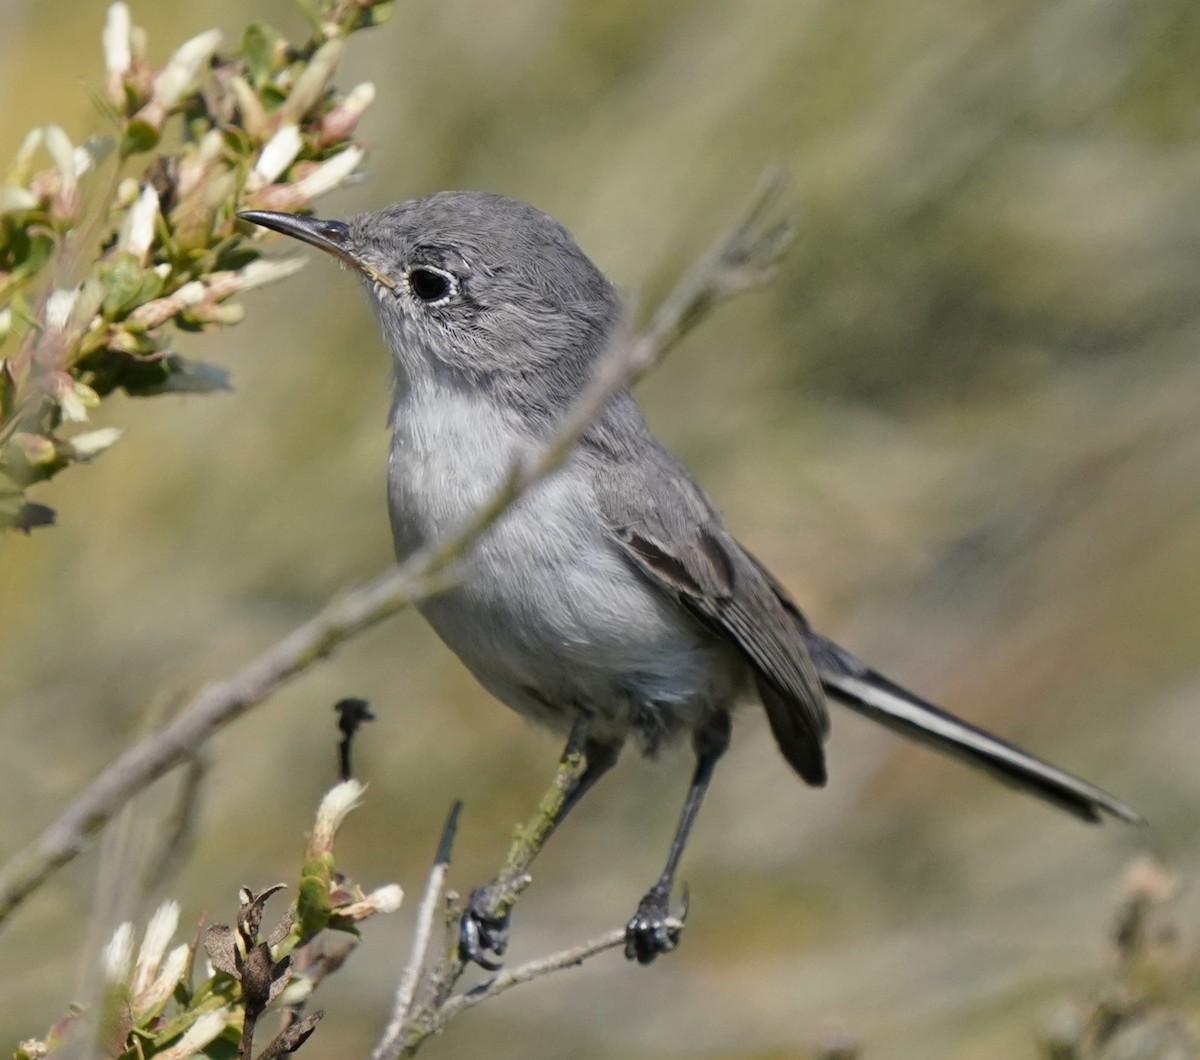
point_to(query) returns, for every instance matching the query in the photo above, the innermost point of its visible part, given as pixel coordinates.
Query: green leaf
(259, 48)
(180, 1022)
(313, 906)
(26, 247)
(380, 13)
(8, 391)
(173, 375)
(18, 514)
(123, 278)
(238, 141)
(234, 256)
(272, 96)
(139, 136)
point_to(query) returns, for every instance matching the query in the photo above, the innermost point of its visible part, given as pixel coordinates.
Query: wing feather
(667, 529)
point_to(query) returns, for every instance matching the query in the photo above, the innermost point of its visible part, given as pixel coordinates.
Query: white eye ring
(430, 285)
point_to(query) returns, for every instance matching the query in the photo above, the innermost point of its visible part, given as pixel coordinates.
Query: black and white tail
(862, 689)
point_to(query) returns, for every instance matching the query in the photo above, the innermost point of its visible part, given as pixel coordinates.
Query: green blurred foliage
(961, 426)
(98, 256)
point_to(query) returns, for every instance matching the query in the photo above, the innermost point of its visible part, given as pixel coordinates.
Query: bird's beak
(333, 237)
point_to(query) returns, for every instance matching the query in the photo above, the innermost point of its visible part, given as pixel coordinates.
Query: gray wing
(667, 529)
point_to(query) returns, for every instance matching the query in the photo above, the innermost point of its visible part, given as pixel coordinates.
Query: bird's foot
(482, 933)
(653, 930)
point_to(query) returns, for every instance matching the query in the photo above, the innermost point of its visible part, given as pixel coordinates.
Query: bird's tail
(862, 689)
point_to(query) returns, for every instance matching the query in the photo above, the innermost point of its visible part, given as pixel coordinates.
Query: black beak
(331, 236)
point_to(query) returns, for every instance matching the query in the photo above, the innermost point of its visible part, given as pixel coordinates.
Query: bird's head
(472, 285)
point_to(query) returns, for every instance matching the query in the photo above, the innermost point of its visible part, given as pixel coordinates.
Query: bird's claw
(652, 929)
(481, 933)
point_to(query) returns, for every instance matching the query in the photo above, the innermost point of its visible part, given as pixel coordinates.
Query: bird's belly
(559, 633)
(548, 615)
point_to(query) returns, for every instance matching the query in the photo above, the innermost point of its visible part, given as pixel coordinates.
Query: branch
(389, 1045)
(410, 1025)
(739, 260)
(523, 973)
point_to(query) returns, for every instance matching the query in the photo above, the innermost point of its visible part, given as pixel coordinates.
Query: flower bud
(178, 76)
(310, 85)
(337, 803)
(137, 233)
(118, 55)
(328, 175)
(277, 154)
(341, 122)
(91, 444)
(254, 115)
(207, 1029)
(118, 954)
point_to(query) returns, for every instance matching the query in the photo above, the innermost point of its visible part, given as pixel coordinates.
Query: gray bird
(609, 601)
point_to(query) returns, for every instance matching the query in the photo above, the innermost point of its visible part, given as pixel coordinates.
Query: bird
(610, 601)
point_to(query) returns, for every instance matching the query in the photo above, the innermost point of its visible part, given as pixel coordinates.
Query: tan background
(962, 426)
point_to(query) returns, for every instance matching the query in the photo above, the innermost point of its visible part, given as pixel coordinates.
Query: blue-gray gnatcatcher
(610, 600)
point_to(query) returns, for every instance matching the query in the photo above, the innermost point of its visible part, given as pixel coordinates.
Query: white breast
(449, 454)
(546, 602)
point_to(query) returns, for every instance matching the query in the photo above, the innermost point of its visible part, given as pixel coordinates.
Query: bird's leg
(653, 930)
(484, 926)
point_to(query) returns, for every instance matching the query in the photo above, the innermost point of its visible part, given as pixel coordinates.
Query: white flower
(58, 144)
(337, 803)
(359, 98)
(93, 443)
(211, 145)
(14, 200)
(160, 989)
(312, 80)
(191, 293)
(340, 122)
(137, 234)
(118, 954)
(74, 400)
(182, 69)
(386, 899)
(266, 270)
(166, 917)
(127, 192)
(278, 153)
(298, 990)
(328, 175)
(115, 39)
(206, 1029)
(22, 164)
(82, 159)
(59, 306)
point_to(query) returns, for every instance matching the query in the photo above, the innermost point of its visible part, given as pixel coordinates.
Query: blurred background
(961, 425)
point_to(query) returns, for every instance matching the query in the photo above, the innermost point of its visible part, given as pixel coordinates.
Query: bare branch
(410, 1025)
(523, 973)
(739, 260)
(502, 892)
(390, 1044)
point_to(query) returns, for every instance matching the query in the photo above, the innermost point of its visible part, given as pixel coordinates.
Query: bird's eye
(432, 286)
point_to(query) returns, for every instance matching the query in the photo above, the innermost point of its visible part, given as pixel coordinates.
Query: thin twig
(393, 1035)
(180, 826)
(500, 895)
(506, 980)
(523, 973)
(738, 261)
